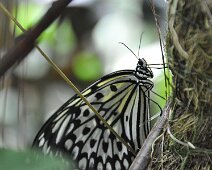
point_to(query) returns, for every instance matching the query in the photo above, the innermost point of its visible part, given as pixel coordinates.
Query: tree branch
(26, 44)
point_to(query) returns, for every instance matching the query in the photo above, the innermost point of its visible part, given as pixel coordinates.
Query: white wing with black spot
(122, 99)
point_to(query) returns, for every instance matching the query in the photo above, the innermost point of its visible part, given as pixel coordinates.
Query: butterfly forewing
(121, 98)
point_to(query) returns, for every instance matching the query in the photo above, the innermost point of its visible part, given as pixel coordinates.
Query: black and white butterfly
(122, 99)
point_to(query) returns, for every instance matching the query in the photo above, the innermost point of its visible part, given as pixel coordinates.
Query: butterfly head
(142, 71)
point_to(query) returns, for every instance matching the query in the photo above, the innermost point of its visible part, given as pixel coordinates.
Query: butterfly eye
(142, 62)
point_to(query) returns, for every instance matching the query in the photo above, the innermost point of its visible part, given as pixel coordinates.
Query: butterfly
(122, 99)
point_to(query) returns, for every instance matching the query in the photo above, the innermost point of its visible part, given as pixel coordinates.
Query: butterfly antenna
(139, 47)
(129, 49)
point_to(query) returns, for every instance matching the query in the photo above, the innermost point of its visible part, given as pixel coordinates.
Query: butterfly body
(122, 99)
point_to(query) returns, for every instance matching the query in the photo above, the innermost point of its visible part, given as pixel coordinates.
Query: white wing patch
(77, 130)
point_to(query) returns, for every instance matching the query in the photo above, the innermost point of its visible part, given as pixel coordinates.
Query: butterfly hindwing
(74, 129)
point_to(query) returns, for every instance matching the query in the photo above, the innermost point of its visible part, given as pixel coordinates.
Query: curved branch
(26, 44)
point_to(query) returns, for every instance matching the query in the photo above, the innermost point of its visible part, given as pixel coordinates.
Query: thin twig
(26, 44)
(143, 157)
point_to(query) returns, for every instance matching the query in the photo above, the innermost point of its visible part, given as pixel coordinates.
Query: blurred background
(84, 43)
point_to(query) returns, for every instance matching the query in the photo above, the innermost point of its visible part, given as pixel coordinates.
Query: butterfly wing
(74, 129)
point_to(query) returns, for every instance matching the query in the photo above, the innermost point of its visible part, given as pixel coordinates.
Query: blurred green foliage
(28, 15)
(87, 66)
(66, 39)
(27, 159)
(161, 90)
